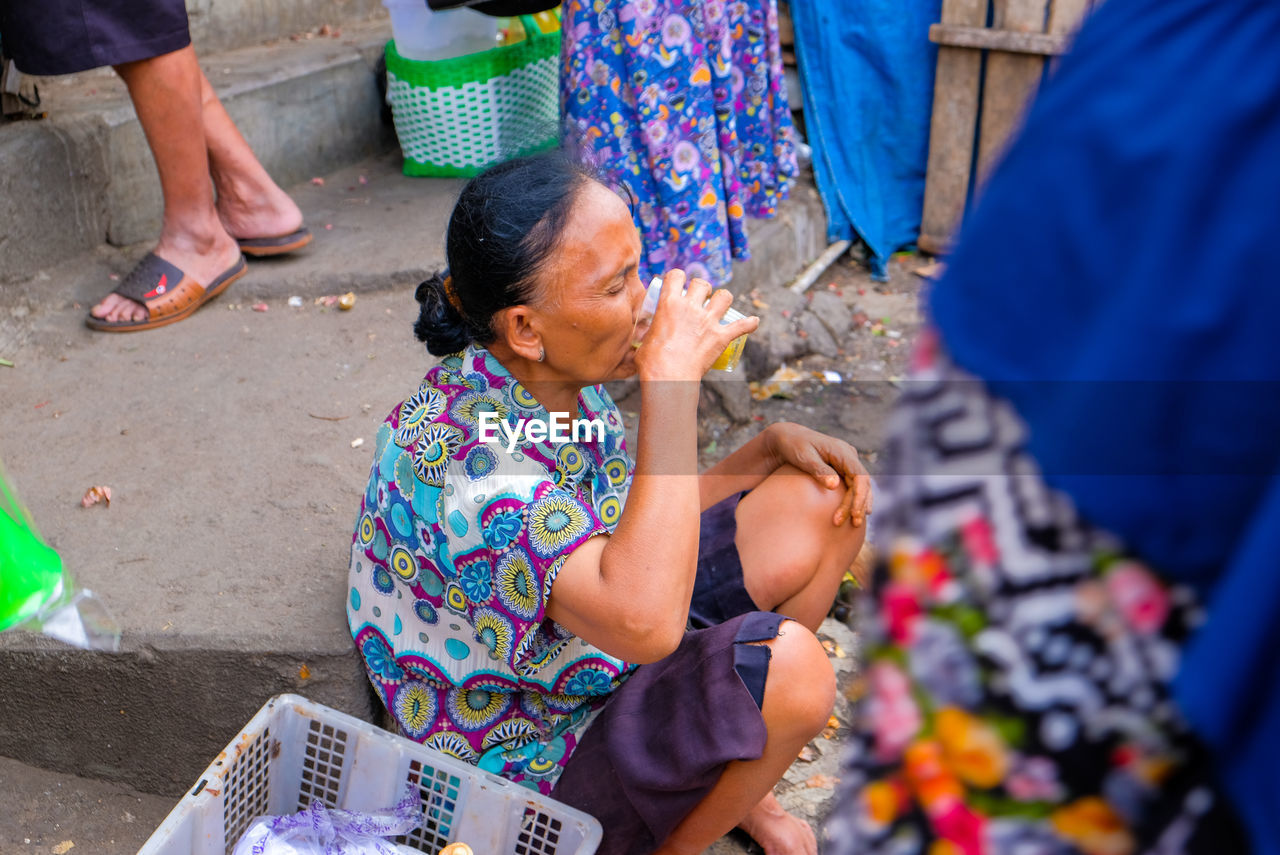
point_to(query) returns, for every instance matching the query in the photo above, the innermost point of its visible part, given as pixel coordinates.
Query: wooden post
(955, 113)
(1010, 82)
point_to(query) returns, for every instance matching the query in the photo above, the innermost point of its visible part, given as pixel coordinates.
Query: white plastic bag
(319, 830)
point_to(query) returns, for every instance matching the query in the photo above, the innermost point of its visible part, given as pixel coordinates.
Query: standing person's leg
(250, 204)
(166, 93)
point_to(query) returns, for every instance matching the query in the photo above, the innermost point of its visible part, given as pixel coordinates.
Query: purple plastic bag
(319, 830)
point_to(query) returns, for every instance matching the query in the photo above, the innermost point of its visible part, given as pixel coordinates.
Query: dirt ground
(873, 358)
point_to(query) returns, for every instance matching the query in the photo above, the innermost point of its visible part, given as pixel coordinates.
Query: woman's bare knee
(786, 535)
(801, 688)
(808, 507)
(801, 494)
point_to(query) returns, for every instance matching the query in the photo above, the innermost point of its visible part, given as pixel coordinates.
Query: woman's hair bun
(439, 325)
(506, 224)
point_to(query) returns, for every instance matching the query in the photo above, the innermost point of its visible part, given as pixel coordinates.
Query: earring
(542, 353)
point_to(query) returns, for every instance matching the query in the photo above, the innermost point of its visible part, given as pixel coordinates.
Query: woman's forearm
(649, 564)
(660, 524)
(741, 470)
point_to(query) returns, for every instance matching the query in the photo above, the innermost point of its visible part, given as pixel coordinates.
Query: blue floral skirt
(682, 104)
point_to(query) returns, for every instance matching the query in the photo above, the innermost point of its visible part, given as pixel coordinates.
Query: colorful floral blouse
(453, 558)
(683, 101)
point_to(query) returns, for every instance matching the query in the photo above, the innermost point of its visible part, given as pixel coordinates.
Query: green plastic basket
(455, 117)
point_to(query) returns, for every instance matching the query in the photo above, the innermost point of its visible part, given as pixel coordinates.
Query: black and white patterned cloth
(1016, 694)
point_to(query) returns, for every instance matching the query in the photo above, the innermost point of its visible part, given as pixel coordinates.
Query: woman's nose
(635, 289)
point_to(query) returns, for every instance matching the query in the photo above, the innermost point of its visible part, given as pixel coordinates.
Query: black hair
(505, 225)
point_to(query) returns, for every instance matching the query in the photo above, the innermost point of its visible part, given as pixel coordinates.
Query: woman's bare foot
(777, 831)
(204, 260)
(249, 202)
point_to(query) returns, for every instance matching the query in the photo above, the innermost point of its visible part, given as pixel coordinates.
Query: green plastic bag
(35, 592)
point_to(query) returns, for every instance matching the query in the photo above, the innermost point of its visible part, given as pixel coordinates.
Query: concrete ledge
(156, 715)
(218, 25)
(53, 187)
(782, 247)
(377, 229)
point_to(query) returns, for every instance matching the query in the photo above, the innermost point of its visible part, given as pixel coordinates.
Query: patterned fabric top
(453, 558)
(1018, 659)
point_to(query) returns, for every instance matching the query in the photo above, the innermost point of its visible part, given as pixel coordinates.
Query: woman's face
(591, 291)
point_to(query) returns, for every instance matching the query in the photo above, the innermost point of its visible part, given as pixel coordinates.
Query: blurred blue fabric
(866, 69)
(1113, 284)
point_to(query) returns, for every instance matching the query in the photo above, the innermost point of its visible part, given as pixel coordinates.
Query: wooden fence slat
(1011, 80)
(955, 113)
(965, 13)
(1066, 15)
(984, 38)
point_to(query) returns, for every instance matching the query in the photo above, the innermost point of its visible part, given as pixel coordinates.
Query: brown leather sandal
(168, 294)
(264, 246)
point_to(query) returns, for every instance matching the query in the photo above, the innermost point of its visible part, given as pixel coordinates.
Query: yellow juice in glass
(730, 356)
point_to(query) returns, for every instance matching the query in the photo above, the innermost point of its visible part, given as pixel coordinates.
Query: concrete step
(85, 175)
(218, 25)
(227, 440)
(42, 810)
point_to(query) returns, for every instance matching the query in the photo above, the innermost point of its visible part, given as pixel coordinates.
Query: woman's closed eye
(619, 283)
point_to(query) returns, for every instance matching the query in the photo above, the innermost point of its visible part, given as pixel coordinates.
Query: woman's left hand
(832, 462)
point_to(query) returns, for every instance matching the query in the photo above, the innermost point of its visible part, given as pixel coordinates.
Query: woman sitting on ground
(630, 637)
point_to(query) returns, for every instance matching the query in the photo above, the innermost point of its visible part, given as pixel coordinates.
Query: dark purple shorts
(662, 740)
(718, 591)
(65, 36)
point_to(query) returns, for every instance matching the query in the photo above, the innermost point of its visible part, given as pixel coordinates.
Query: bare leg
(250, 203)
(793, 558)
(798, 697)
(166, 95)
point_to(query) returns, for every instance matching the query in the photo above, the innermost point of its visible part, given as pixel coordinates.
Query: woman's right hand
(686, 336)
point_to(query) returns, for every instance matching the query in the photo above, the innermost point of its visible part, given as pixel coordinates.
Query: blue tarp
(867, 70)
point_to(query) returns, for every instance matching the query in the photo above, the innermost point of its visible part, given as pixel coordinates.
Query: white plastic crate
(295, 751)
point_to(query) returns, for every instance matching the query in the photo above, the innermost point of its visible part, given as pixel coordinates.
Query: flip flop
(168, 294)
(259, 247)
